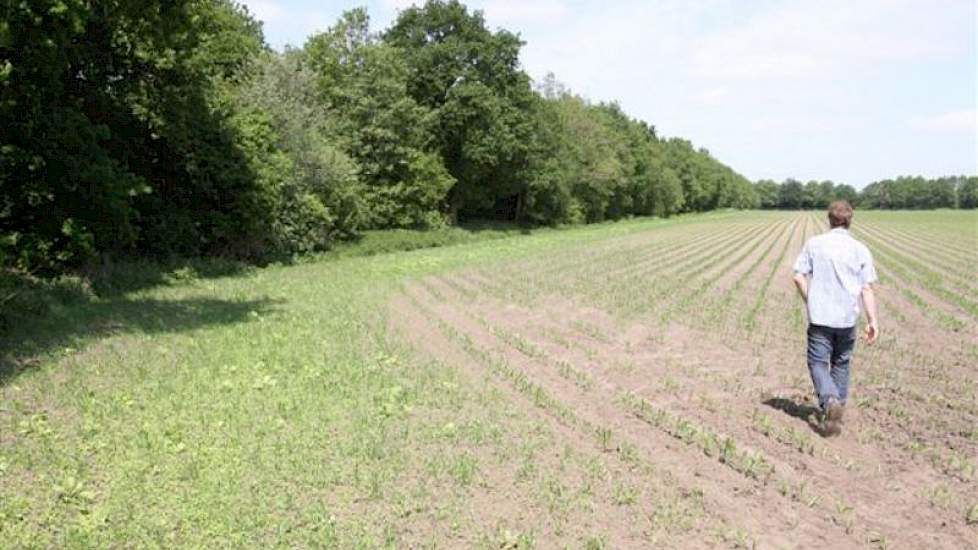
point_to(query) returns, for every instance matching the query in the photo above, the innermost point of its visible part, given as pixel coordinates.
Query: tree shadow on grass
(498, 226)
(23, 345)
(801, 411)
(112, 279)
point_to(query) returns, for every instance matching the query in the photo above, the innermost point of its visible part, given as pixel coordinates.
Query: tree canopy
(904, 192)
(162, 128)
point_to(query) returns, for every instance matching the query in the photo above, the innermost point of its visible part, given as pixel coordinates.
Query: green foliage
(968, 192)
(767, 193)
(791, 194)
(172, 130)
(588, 159)
(416, 200)
(470, 79)
(844, 192)
(904, 192)
(915, 192)
(594, 163)
(707, 183)
(321, 195)
(24, 297)
(364, 84)
(117, 134)
(65, 186)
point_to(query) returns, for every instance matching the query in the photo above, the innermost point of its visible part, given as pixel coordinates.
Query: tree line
(905, 192)
(171, 128)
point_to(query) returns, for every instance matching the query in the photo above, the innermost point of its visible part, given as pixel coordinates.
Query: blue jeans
(829, 352)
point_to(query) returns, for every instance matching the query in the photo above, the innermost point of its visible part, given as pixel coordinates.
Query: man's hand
(871, 333)
(801, 283)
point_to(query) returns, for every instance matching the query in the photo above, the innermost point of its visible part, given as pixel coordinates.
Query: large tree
(767, 193)
(70, 140)
(117, 131)
(791, 194)
(321, 191)
(967, 192)
(364, 83)
(470, 77)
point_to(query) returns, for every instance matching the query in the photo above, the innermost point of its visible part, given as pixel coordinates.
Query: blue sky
(848, 90)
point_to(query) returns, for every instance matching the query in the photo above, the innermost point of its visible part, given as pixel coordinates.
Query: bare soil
(723, 364)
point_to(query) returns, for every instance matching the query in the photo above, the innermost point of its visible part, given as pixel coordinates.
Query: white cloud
(955, 121)
(265, 10)
(714, 96)
(509, 12)
(289, 23)
(806, 124)
(824, 38)
(398, 5)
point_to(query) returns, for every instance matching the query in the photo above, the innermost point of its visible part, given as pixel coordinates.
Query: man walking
(833, 273)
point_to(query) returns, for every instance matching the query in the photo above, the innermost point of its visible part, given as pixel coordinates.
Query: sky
(848, 90)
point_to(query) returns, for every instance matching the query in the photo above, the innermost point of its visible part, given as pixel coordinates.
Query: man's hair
(840, 214)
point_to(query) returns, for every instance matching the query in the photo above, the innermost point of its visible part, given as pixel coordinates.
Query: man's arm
(803, 268)
(867, 273)
(801, 282)
(872, 332)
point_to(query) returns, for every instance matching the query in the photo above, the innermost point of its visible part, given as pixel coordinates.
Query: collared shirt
(840, 266)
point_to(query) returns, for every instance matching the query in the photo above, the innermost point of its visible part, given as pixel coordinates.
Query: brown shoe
(833, 417)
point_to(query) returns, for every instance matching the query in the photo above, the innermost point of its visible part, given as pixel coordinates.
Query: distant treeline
(171, 128)
(905, 192)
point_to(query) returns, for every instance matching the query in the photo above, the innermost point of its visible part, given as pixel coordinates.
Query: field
(639, 384)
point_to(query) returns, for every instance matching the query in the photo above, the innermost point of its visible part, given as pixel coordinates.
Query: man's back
(833, 273)
(840, 266)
